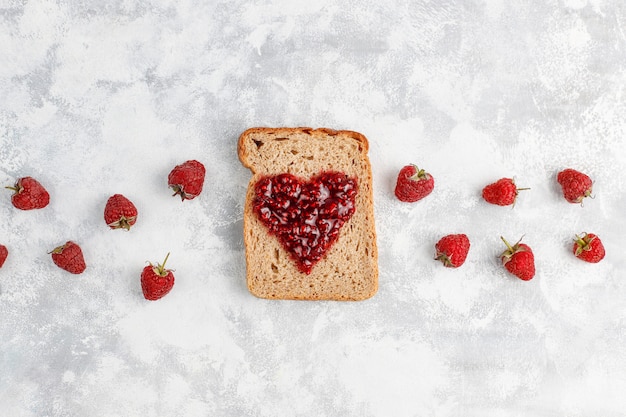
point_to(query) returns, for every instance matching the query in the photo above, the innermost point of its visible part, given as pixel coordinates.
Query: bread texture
(349, 270)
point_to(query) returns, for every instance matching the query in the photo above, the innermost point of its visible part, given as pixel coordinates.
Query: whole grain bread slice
(349, 270)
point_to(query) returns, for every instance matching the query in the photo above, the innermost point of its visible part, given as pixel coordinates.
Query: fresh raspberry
(4, 252)
(519, 260)
(69, 257)
(413, 184)
(29, 194)
(156, 281)
(120, 212)
(589, 248)
(502, 192)
(452, 250)
(187, 179)
(576, 185)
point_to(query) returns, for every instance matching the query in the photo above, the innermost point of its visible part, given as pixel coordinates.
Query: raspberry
(413, 184)
(502, 192)
(576, 186)
(589, 248)
(519, 260)
(452, 250)
(29, 194)
(69, 257)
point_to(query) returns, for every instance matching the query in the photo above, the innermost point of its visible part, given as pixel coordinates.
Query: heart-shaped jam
(305, 216)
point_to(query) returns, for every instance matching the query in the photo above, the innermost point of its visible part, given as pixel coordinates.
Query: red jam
(305, 216)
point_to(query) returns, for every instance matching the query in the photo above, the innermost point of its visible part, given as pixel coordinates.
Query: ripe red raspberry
(502, 192)
(187, 179)
(4, 252)
(452, 250)
(29, 194)
(69, 257)
(576, 185)
(120, 212)
(156, 281)
(519, 260)
(413, 184)
(589, 248)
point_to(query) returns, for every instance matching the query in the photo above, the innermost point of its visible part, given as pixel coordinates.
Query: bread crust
(270, 272)
(244, 148)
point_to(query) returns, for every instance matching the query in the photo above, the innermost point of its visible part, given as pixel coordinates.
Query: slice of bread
(349, 270)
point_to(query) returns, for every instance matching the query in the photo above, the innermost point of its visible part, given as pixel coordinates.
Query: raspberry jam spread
(305, 216)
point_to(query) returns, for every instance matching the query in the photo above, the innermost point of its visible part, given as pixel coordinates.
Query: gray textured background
(101, 97)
